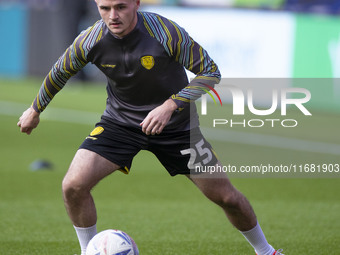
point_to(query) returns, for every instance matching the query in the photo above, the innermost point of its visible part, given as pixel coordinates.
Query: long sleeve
(73, 60)
(195, 59)
(179, 45)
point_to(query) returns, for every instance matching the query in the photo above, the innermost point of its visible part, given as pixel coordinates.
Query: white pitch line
(51, 113)
(273, 141)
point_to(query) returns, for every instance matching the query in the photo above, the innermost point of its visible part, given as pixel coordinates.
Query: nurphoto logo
(280, 100)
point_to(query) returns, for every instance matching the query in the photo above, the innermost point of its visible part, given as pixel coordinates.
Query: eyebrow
(118, 4)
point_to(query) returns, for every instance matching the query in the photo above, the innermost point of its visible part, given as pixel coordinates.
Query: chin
(117, 32)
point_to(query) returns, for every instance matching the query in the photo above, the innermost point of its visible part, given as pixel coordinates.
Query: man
(150, 106)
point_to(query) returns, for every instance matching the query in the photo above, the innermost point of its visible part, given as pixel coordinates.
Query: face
(120, 16)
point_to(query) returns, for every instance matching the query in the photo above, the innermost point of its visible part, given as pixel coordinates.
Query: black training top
(143, 69)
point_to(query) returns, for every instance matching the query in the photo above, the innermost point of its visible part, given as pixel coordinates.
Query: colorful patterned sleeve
(187, 52)
(73, 60)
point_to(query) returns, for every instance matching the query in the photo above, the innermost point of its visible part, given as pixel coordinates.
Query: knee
(73, 189)
(227, 201)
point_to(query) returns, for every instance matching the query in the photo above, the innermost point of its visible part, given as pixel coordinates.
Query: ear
(138, 3)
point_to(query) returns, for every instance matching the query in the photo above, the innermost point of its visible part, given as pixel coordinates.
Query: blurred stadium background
(290, 39)
(247, 38)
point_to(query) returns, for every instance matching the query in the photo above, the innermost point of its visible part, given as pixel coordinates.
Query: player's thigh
(181, 152)
(87, 169)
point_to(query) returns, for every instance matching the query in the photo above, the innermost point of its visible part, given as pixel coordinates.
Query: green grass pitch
(164, 215)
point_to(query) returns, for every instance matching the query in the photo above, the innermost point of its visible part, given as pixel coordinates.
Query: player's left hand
(157, 119)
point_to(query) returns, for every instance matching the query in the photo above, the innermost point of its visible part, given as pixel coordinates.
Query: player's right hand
(28, 120)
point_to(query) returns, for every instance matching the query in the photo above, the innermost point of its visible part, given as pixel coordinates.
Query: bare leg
(86, 170)
(218, 188)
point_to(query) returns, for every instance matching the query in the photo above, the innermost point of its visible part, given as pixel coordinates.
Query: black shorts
(179, 152)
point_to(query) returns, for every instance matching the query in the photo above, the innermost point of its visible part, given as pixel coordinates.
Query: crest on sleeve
(148, 62)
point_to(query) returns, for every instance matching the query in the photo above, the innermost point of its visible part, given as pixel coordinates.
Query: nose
(113, 14)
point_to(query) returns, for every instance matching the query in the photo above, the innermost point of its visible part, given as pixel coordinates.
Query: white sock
(84, 236)
(257, 239)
